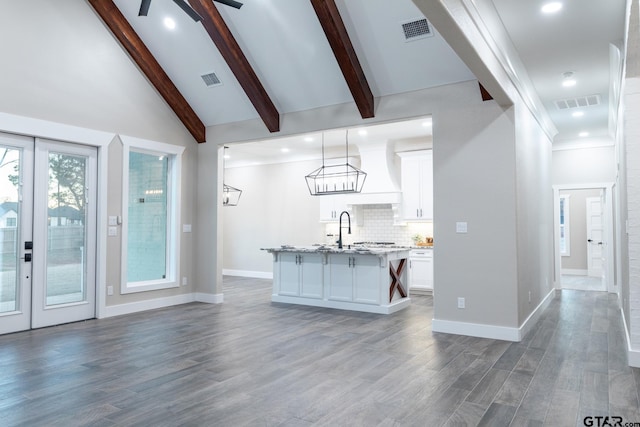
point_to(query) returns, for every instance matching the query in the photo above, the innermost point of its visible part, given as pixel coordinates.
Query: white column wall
(632, 137)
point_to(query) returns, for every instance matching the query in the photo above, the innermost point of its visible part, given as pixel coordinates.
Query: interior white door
(16, 215)
(595, 236)
(64, 232)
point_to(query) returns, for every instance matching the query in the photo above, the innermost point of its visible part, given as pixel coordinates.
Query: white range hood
(381, 185)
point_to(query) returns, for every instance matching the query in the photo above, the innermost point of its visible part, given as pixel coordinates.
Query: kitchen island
(372, 280)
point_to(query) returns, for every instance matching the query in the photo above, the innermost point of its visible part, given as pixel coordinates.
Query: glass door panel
(9, 223)
(66, 231)
(16, 172)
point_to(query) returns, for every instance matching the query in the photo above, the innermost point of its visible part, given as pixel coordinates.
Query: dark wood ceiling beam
(133, 44)
(486, 96)
(237, 62)
(345, 54)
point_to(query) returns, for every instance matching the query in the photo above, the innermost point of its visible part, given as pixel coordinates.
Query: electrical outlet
(460, 302)
(184, 281)
(109, 290)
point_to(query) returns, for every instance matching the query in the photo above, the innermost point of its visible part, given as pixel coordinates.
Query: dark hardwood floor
(252, 362)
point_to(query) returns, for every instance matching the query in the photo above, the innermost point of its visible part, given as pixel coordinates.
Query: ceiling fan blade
(231, 3)
(144, 7)
(188, 10)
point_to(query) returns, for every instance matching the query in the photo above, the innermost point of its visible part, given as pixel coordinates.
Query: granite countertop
(364, 250)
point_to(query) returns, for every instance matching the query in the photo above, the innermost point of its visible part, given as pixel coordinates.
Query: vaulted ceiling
(273, 57)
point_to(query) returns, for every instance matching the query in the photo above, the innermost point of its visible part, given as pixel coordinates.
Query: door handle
(26, 258)
(589, 240)
(28, 245)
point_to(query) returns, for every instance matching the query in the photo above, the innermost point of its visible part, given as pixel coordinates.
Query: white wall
(632, 139)
(275, 209)
(584, 165)
(61, 64)
(474, 182)
(534, 213)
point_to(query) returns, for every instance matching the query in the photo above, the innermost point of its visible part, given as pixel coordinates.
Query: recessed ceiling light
(169, 23)
(284, 150)
(426, 124)
(577, 113)
(362, 132)
(552, 7)
(308, 139)
(568, 83)
(583, 134)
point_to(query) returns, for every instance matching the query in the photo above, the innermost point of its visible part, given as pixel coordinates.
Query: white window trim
(174, 202)
(567, 224)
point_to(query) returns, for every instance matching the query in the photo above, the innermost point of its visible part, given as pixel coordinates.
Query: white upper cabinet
(331, 207)
(417, 185)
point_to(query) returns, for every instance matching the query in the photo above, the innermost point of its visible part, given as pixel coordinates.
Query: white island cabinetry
(300, 274)
(354, 278)
(373, 281)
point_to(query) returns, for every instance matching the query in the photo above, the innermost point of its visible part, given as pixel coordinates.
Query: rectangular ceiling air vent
(416, 29)
(211, 79)
(579, 102)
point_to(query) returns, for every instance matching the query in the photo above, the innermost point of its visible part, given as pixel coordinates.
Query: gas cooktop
(374, 243)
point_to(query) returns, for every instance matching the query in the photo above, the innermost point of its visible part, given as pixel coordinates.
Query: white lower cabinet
(366, 276)
(421, 270)
(301, 274)
(354, 278)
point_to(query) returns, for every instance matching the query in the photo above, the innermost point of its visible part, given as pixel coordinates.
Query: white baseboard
(533, 318)
(152, 304)
(633, 356)
(246, 273)
(396, 305)
(493, 331)
(574, 272)
(475, 330)
(209, 298)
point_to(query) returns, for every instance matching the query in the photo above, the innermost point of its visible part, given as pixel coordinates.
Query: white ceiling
(283, 41)
(575, 39)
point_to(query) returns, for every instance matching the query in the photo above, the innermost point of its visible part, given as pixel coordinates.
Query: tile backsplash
(376, 224)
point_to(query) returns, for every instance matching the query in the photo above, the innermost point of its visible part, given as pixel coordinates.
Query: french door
(47, 232)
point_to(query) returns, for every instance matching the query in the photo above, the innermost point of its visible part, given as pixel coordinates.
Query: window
(151, 201)
(11, 222)
(565, 229)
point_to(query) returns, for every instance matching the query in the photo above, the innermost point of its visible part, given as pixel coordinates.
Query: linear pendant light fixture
(336, 179)
(230, 195)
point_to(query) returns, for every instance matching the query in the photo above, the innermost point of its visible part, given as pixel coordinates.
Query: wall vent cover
(211, 79)
(416, 29)
(579, 102)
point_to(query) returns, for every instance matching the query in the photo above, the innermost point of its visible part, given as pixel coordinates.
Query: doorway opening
(584, 246)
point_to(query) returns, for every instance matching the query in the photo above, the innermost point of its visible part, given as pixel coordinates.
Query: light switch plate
(113, 231)
(461, 227)
(113, 220)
